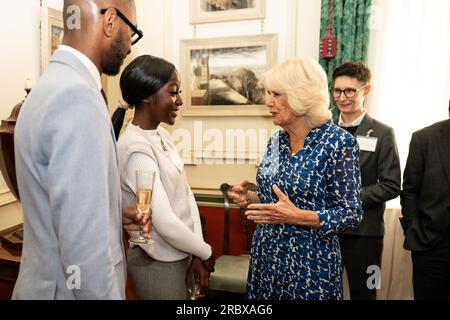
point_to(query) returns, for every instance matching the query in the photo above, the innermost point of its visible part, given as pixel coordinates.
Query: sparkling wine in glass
(193, 287)
(144, 191)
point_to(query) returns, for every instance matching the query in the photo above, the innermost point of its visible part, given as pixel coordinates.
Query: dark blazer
(380, 176)
(425, 197)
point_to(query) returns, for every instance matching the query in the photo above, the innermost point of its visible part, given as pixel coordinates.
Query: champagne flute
(144, 192)
(193, 287)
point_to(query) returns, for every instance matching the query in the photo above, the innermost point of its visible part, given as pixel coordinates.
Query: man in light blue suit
(66, 161)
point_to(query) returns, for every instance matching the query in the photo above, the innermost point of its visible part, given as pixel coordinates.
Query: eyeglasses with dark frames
(136, 34)
(349, 93)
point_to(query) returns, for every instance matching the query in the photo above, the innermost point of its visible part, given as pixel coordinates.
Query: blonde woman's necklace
(294, 151)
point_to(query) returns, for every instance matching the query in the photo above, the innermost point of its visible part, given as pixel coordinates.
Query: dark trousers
(358, 253)
(431, 272)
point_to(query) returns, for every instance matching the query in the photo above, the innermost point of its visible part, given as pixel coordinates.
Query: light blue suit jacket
(69, 184)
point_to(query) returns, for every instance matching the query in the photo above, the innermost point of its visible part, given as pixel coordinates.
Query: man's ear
(367, 89)
(108, 22)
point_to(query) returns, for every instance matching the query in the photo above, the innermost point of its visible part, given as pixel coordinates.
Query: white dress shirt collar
(355, 123)
(86, 62)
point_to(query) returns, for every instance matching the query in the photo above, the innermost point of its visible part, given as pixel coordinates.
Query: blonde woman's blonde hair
(306, 85)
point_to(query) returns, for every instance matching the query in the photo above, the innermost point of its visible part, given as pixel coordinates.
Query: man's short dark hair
(353, 69)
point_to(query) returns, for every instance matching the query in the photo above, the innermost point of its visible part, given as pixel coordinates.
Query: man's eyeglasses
(349, 93)
(136, 34)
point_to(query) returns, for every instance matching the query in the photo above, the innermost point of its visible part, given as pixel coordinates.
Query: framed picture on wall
(208, 11)
(52, 30)
(222, 76)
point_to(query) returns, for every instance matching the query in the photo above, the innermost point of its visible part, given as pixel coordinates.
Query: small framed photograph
(52, 31)
(223, 76)
(209, 11)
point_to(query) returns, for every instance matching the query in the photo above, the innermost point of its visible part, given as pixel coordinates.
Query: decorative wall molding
(292, 28)
(209, 204)
(167, 31)
(202, 156)
(6, 197)
(201, 190)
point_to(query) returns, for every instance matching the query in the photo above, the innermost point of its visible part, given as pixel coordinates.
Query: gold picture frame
(222, 76)
(52, 30)
(210, 11)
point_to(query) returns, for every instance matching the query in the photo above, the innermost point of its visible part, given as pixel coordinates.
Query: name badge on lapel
(367, 143)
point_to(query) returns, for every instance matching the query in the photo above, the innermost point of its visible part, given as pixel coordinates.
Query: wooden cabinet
(213, 212)
(9, 270)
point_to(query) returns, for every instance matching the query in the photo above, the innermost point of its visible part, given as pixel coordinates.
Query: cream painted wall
(20, 56)
(10, 215)
(166, 22)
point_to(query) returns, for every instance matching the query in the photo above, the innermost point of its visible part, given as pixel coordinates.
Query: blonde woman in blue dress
(309, 189)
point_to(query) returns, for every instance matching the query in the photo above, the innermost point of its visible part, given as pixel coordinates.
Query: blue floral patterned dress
(294, 262)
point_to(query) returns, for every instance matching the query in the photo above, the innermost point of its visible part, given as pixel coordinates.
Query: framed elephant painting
(223, 76)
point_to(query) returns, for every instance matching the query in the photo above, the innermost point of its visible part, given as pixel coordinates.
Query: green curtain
(351, 29)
